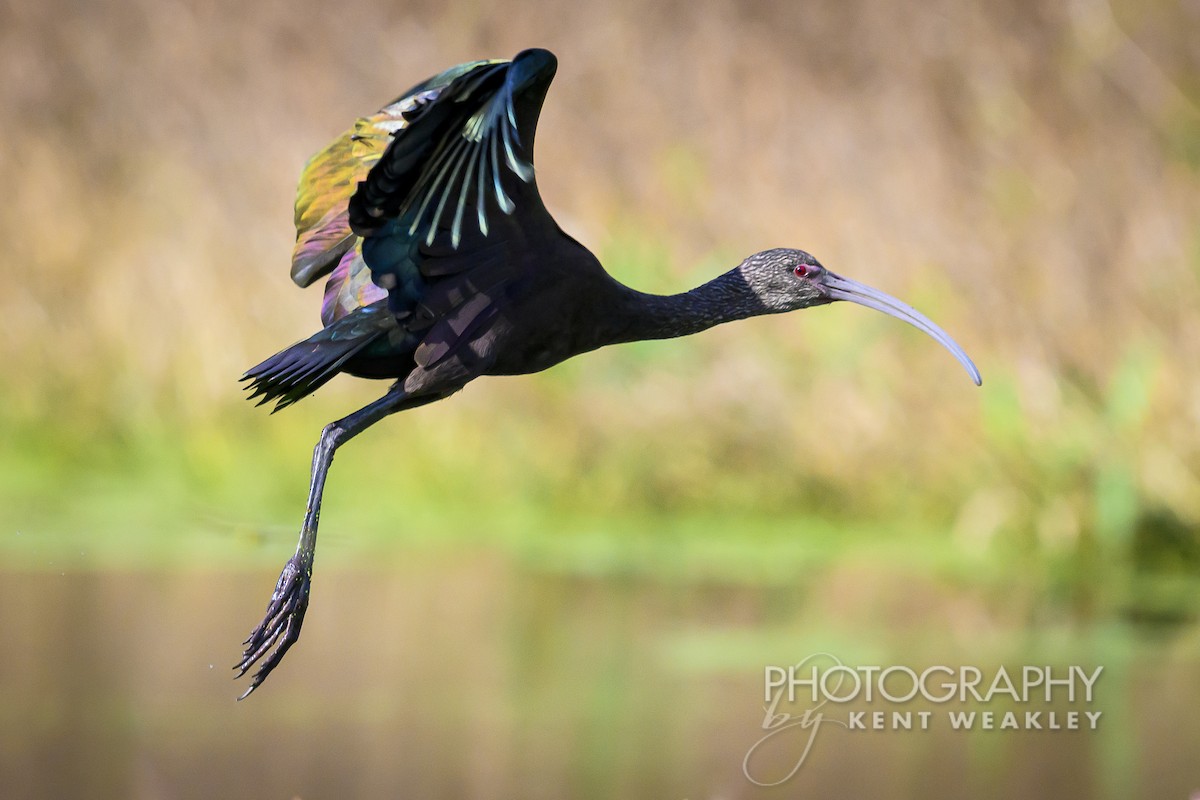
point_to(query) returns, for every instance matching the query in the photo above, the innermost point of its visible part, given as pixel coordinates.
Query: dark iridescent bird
(443, 265)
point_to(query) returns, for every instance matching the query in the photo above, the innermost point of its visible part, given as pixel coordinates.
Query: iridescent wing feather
(325, 244)
(448, 168)
(424, 216)
(448, 212)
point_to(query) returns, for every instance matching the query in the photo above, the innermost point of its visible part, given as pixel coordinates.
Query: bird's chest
(529, 351)
(548, 319)
(533, 342)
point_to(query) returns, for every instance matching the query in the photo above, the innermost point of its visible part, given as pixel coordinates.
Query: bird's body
(444, 265)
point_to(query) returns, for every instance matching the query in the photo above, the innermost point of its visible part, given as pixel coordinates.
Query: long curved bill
(839, 288)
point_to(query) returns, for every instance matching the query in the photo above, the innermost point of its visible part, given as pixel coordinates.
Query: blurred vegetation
(1027, 175)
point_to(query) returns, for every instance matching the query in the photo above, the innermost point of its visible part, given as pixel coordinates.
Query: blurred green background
(568, 585)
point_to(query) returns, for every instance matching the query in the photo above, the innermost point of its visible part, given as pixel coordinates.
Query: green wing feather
(323, 232)
(330, 177)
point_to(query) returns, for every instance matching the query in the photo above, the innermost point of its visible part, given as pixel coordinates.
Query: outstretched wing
(450, 214)
(325, 243)
(456, 148)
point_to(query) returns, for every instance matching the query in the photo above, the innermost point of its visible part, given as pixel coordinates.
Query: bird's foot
(280, 628)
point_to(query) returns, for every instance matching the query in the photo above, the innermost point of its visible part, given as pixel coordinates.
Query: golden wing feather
(328, 181)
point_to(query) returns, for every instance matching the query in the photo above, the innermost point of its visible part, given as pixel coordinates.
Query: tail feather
(306, 366)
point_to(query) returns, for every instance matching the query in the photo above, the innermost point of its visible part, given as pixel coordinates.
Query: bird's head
(786, 280)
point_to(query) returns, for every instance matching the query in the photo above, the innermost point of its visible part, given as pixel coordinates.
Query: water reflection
(468, 675)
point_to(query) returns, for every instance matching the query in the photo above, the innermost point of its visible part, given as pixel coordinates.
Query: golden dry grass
(1025, 173)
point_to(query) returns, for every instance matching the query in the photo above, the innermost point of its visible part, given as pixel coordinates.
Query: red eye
(802, 270)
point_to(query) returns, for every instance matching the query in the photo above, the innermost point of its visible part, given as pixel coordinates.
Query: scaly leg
(285, 612)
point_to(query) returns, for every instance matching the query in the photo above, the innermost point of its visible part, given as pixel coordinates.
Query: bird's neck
(651, 316)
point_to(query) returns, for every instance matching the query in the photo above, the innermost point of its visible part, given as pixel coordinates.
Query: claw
(280, 627)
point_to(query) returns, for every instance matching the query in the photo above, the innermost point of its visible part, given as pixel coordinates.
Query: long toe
(280, 627)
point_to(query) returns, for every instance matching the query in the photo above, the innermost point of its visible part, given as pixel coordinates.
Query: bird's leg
(280, 627)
